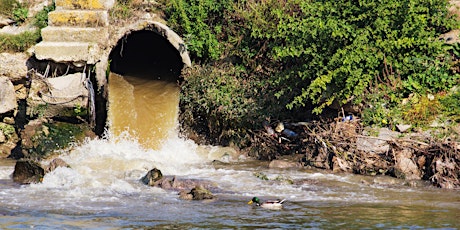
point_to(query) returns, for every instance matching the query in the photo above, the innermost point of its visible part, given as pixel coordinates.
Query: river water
(102, 189)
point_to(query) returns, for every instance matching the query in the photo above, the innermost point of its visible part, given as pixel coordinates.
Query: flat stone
(377, 144)
(75, 34)
(403, 128)
(85, 4)
(68, 51)
(78, 18)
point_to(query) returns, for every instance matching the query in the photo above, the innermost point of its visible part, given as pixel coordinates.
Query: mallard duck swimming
(269, 204)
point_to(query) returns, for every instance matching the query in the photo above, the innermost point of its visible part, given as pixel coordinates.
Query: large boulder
(405, 167)
(152, 177)
(13, 66)
(41, 137)
(28, 171)
(7, 96)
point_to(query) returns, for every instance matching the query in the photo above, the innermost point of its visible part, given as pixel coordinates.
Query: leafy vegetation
(41, 18)
(123, 9)
(20, 14)
(222, 99)
(7, 130)
(19, 42)
(202, 23)
(14, 10)
(306, 55)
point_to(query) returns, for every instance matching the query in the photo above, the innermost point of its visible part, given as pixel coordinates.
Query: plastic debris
(347, 118)
(268, 128)
(289, 133)
(280, 127)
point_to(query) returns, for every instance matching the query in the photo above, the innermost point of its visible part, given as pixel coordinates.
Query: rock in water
(200, 193)
(197, 193)
(152, 177)
(55, 163)
(26, 172)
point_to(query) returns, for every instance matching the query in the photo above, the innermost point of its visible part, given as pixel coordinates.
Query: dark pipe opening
(147, 54)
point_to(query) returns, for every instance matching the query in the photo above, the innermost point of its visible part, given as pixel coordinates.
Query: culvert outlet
(154, 53)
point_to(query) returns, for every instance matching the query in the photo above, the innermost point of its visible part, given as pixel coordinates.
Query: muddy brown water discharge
(146, 109)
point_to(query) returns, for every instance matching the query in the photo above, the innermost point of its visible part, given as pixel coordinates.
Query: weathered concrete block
(68, 52)
(79, 18)
(85, 4)
(59, 96)
(75, 34)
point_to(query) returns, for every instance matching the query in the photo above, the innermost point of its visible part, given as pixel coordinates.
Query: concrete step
(78, 18)
(75, 34)
(87, 52)
(84, 4)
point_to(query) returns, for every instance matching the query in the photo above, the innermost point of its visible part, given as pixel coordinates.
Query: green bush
(8, 130)
(334, 49)
(201, 23)
(218, 102)
(20, 14)
(41, 18)
(308, 54)
(451, 105)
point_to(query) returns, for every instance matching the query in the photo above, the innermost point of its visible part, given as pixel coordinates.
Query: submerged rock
(155, 178)
(174, 183)
(55, 163)
(197, 193)
(27, 171)
(284, 164)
